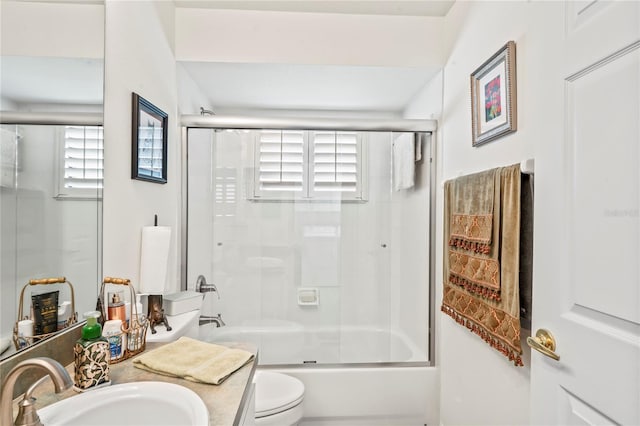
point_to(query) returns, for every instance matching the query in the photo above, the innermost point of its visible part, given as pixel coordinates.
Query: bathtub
(352, 375)
(285, 342)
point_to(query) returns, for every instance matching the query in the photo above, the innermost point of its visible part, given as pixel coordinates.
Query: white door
(587, 236)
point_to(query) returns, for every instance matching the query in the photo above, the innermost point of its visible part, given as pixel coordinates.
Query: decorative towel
(481, 290)
(474, 199)
(403, 159)
(194, 360)
(473, 259)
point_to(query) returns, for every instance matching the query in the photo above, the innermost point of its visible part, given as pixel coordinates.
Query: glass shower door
(310, 278)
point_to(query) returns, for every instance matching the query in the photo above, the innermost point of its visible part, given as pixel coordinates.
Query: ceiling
(241, 86)
(247, 86)
(356, 7)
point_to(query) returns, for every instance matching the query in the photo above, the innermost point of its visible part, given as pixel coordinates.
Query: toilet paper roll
(154, 256)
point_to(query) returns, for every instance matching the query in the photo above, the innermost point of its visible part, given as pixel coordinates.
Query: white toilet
(182, 310)
(279, 399)
(185, 324)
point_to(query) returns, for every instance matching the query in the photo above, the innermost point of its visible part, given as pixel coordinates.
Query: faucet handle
(203, 287)
(27, 414)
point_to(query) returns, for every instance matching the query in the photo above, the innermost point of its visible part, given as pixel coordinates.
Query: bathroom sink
(136, 403)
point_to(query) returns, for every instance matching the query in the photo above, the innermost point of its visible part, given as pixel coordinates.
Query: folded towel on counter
(194, 360)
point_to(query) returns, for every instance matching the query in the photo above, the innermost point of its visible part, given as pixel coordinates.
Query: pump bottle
(92, 355)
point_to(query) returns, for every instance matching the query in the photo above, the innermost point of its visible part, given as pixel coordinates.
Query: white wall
(190, 95)
(427, 102)
(51, 29)
(210, 35)
(138, 58)
(480, 385)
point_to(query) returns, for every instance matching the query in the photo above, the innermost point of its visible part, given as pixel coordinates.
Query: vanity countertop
(225, 402)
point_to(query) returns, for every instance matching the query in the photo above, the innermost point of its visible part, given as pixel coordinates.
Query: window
(281, 163)
(309, 165)
(335, 162)
(82, 165)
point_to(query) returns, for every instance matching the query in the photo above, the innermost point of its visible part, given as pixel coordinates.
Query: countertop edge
(125, 372)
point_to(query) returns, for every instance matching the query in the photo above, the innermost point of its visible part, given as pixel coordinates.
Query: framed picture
(149, 142)
(493, 96)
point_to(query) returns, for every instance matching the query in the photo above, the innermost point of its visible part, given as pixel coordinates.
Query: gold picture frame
(493, 96)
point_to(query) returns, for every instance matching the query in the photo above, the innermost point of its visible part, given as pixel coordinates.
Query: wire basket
(21, 342)
(134, 334)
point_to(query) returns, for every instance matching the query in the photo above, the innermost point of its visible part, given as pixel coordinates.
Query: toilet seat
(276, 393)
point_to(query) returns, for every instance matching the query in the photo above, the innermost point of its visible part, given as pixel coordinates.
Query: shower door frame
(221, 122)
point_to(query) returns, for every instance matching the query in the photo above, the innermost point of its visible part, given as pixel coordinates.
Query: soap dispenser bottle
(116, 308)
(92, 355)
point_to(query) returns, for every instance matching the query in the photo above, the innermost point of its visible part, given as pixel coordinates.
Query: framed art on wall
(149, 141)
(493, 96)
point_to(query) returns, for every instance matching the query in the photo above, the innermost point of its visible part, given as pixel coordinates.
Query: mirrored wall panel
(51, 97)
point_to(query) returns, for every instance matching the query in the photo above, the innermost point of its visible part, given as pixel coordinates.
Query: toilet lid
(276, 392)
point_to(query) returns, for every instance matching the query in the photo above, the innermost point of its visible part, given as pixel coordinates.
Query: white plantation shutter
(280, 162)
(83, 161)
(335, 162)
(312, 165)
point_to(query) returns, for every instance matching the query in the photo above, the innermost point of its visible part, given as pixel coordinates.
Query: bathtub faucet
(207, 319)
(203, 287)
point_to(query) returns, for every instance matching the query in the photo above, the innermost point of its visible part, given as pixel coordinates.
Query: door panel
(589, 248)
(604, 126)
(578, 412)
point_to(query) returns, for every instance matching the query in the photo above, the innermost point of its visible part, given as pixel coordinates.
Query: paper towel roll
(154, 255)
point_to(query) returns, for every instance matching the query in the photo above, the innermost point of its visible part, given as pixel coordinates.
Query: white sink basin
(135, 404)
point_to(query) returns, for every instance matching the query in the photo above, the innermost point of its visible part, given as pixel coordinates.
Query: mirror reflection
(51, 95)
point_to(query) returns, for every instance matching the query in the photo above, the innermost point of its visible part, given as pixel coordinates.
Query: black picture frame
(149, 141)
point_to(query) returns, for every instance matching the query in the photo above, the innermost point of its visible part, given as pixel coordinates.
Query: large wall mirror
(51, 97)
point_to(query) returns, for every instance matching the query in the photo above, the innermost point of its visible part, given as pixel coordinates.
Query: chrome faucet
(207, 319)
(203, 287)
(27, 415)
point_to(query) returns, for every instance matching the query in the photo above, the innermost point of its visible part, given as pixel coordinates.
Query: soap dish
(308, 296)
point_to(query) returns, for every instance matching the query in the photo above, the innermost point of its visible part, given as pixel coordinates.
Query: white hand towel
(403, 161)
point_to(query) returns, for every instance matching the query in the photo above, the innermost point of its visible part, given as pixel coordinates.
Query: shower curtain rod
(52, 118)
(283, 123)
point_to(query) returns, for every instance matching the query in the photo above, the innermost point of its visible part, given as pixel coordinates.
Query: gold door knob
(544, 343)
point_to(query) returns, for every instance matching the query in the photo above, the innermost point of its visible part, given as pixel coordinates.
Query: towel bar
(527, 166)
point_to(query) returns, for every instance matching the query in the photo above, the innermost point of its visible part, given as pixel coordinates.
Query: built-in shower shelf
(308, 296)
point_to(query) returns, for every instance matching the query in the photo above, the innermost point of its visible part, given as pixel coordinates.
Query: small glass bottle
(92, 356)
(116, 308)
(137, 326)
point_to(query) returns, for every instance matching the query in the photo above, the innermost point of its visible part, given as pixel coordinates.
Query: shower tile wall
(260, 253)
